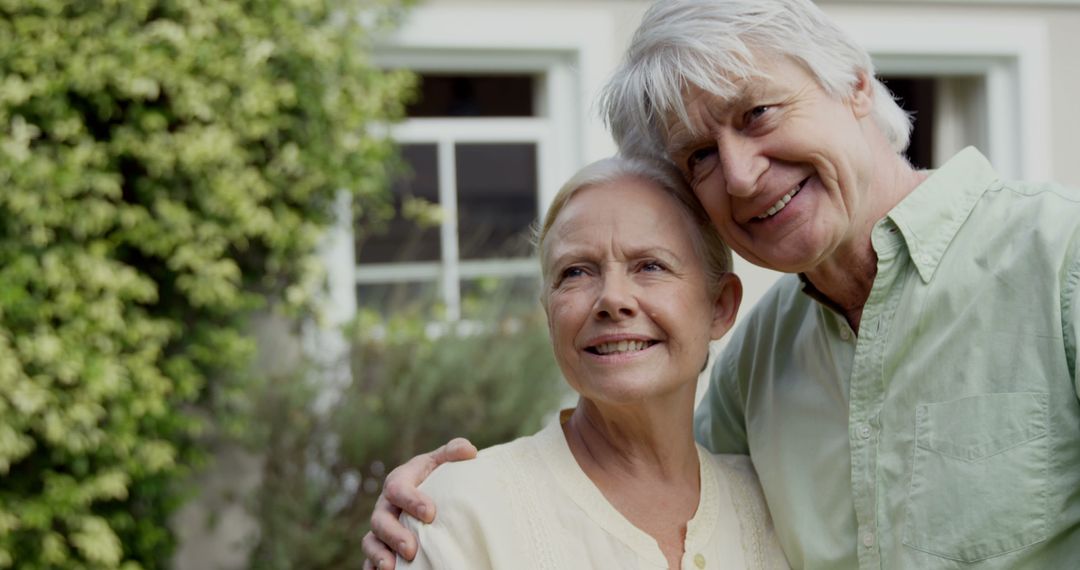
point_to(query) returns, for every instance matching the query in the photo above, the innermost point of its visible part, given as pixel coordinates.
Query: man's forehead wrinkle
(677, 70)
(663, 104)
(711, 106)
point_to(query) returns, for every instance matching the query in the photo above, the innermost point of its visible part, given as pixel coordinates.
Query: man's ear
(862, 95)
(726, 305)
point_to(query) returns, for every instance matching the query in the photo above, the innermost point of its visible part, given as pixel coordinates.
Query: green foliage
(166, 165)
(416, 384)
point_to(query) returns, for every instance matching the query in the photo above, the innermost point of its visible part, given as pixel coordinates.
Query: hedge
(166, 167)
(415, 385)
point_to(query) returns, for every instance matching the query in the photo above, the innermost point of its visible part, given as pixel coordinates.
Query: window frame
(571, 49)
(451, 269)
(541, 130)
(1010, 58)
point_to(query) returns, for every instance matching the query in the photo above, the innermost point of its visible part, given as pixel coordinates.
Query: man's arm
(719, 421)
(1071, 315)
(400, 493)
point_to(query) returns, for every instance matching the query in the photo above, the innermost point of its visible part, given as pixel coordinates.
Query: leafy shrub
(417, 383)
(166, 166)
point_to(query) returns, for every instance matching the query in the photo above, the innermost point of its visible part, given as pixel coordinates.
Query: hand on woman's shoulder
(473, 501)
(466, 481)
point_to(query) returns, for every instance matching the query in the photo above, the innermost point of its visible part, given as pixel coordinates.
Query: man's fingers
(401, 487)
(401, 493)
(458, 449)
(378, 557)
(404, 491)
(405, 496)
(389, 532)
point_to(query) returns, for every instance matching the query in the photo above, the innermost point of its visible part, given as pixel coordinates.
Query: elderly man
(909, 394)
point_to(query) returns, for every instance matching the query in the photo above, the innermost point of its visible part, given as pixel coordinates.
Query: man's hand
(400, 493)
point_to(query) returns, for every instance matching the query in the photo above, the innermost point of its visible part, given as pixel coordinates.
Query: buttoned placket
(866, 390)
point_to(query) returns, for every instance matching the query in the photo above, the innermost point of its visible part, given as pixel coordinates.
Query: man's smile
(782, 202)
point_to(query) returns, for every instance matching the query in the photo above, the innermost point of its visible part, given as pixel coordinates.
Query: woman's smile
(629, 309)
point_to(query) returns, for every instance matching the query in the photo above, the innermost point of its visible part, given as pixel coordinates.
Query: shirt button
(864, 431)
(868, 540)
(699, 560)
(845, 334)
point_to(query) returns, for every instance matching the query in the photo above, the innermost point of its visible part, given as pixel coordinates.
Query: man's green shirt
(946, 433)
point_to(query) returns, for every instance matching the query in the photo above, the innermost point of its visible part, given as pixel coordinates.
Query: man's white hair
(713, 44)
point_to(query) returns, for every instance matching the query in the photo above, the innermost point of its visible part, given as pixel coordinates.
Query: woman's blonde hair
(714, 253)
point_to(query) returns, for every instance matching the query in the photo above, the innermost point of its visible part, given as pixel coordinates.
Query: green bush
(166, 166)
(416, 384)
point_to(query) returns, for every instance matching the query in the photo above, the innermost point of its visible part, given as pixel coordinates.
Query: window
(503, 121)
(916, 94)
(988, 76)
(464, 206)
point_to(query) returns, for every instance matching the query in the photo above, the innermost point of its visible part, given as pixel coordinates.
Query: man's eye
(757, 112)
(698, 156)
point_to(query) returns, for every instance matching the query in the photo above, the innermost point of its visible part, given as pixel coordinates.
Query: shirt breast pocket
(979, 476)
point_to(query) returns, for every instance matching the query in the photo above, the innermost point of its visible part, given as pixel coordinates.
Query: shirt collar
(813, 292)
(930, 216)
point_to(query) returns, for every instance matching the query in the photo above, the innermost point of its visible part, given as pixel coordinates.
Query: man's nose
(741, 163)
(616, 300)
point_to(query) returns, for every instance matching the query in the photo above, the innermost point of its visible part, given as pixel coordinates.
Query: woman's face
(628, 307)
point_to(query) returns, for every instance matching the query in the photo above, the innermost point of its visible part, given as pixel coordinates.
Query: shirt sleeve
(719, 421)
(1071, 317)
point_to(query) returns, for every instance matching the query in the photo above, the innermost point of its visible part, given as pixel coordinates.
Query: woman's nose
(616, 300)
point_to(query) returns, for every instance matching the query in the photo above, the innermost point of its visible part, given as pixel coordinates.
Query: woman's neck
(644, 461)
(654, 440)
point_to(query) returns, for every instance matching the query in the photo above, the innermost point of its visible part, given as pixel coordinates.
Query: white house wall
(1046, 35)
(1059, 19)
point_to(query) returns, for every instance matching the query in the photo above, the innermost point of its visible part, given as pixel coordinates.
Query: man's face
(782, 168)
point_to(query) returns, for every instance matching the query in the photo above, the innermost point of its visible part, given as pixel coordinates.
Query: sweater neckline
(577, 485)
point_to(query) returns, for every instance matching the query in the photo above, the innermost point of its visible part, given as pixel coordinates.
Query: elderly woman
(635, 284)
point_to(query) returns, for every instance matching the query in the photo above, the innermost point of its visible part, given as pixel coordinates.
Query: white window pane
(917, 95)
(408, 236)
(496, 199)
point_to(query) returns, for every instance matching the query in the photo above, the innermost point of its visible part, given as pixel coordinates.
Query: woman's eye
(571, 272)
(652, 266)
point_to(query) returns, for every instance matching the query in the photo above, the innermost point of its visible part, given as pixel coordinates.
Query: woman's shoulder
(737, 473)
(494, 471)
(736, 469)
(760, 543)
(731, 460)
(734, 465)
(479, 507)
